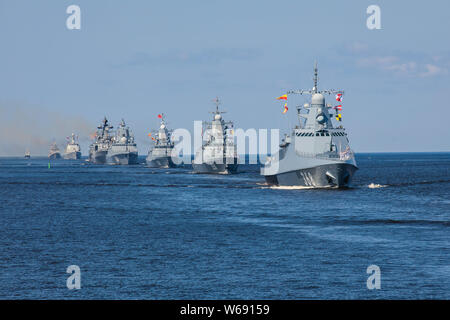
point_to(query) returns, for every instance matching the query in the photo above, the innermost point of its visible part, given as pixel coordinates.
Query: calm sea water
(141, 233)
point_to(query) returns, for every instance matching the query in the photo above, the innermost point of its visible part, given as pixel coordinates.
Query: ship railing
(325, 156)
(321, 156)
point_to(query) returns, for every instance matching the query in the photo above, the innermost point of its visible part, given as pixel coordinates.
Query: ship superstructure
(102, 141)
(73, 150)
(123, 149)
(160, 154)
(218, 153)
(316, 154)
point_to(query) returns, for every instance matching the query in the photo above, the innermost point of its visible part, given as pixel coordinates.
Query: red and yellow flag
(285, 108)
(283, 97)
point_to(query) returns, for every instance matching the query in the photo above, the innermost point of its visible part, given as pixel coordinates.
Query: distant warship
(160, 155)
(316, 154)
(123, 149)
(27, 155)
(218, 154)
(73, 150)
(54, 152)
(102, 141)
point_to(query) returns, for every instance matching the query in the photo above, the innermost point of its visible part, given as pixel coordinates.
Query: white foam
(376, 185)
(290, 187)
(267, 186)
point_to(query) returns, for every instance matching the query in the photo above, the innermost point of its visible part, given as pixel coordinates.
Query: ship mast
(315, 90)
(217, 102)
(315, 77)
(162, 119)
(162, 127)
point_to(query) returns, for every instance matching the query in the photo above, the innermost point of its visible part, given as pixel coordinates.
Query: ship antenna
(315, 89)
(217, 102)
(315, 77)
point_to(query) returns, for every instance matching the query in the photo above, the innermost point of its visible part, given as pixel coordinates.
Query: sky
(136, 59)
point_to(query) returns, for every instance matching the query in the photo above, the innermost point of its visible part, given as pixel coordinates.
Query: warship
(73, 150)
(160, 154)
(316, 154)
(100, 146)
(123, 149)
(54, 152)
(218, 154)
(27, 154)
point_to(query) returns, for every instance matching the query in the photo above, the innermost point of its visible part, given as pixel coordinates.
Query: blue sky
(135, 59)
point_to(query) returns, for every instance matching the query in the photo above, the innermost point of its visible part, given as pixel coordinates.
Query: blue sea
(142, 233)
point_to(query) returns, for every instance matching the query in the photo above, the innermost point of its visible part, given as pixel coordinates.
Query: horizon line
(246, 154)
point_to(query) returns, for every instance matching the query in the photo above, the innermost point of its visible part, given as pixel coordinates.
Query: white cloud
(401, 66)
(411, 64)
(358, 47)
(433, 70)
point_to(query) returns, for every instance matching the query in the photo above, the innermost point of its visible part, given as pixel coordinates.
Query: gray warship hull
(215, 168)
(336, 175)
(55, 156)
(72, 155)
(123, 158)
(161, 162)
(316, 154)
(98, 157)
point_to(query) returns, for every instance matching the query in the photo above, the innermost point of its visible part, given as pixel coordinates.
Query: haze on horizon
(134, 60)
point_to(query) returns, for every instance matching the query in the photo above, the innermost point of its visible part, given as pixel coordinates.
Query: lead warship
(102, 141)
(123, 149)
(54, 152)
(160, 155)
(316, 154)
(218, 154)
(73, 150)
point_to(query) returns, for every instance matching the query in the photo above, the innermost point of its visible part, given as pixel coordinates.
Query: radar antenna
(217, 102)
(315, 88)
(315, 77)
